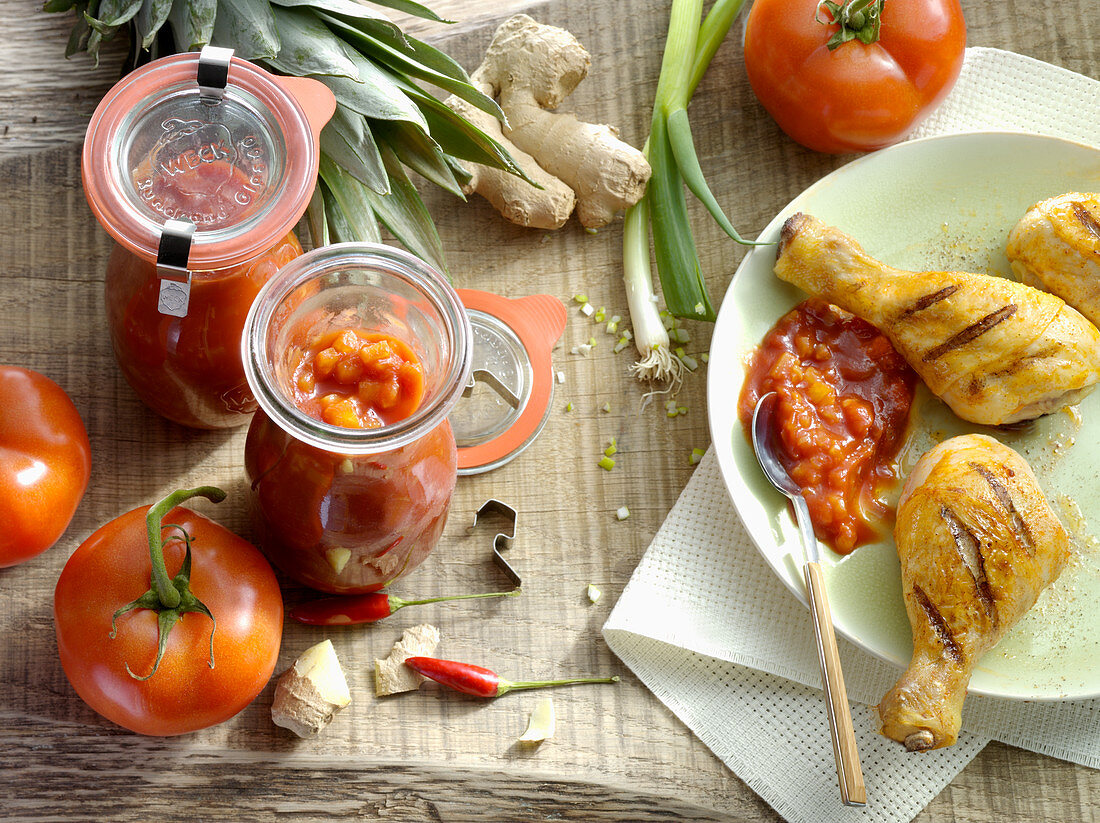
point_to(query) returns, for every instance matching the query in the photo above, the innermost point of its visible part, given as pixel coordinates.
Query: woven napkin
(708, 627)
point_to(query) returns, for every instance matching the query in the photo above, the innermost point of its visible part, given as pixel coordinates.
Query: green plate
(942, 203)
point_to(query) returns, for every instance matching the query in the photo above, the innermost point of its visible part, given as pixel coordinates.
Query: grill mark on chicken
(970, 552)
(1016, 521)
(928, 300)
(1087, 220)
(938, 624)
(970, 333)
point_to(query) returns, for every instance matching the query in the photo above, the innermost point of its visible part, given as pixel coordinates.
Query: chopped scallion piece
(622, 344)
(689, 362)
(560, 376)
(611, 448)
(594, 594)
(623, 513)
(569, 406)
(606, 407)
(600, 315)
(580, 298)
(696, 456)
(681, 409)
(587, 310)
(591, 342)
(628, 334)
(606, 463)
(679, 335)
(705, 357)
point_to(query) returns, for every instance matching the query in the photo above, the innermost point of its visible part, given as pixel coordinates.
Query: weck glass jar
(200, 187)
(350, 509)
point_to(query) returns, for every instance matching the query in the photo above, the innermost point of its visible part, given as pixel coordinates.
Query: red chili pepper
(367, 608)
(481, 682)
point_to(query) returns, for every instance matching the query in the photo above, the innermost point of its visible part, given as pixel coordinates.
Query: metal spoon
(853, 792)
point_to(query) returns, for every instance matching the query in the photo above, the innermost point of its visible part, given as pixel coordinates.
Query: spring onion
(606, 463)
(696, 456)
(580, 298)
(587, 310)
(622, 513)
(606, 407)
(690, 363)
(594, 594)
(612, 447)
(670, 149)
(622, 344)
(569, 406)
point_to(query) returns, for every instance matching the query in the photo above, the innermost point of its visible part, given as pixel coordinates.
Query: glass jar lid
(240, 165)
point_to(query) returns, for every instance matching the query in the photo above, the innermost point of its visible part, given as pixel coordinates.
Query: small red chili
(481, 682)
(368, 608)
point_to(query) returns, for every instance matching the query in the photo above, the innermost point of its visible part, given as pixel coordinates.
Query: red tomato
(856, 97)
(112, 568)
(45, 461)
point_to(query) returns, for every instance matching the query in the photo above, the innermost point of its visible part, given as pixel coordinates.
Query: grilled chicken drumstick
(977, 542)
(994, 350)
(1056, 247)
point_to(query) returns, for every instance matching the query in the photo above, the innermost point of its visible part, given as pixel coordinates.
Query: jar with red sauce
(350, 505)
(198, 166)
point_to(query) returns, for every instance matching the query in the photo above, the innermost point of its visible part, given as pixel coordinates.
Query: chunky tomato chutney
(358, 380)
(343, 523)
(844, 396)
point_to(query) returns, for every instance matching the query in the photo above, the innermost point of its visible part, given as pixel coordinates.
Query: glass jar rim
(257, 359)
(133, 230)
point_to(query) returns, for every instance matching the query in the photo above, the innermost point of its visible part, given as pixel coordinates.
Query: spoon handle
(853, 792)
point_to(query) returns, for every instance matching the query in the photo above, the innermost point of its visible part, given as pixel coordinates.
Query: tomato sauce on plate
(844, 396)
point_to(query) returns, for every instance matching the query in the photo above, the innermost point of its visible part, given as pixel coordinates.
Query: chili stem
(508, 686)
(397, 603)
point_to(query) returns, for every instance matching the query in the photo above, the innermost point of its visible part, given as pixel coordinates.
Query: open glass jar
(230, 167)
(348, 510)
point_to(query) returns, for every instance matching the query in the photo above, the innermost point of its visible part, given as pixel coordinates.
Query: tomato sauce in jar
(358, 379)
(844, 396)
(200, 186)
(188, 369)
(351, 459)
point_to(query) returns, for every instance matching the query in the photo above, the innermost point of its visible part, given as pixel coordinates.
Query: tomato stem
(168, 595)
(170, 598)
(858, 20)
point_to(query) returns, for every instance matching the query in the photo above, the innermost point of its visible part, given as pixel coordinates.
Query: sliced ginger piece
(391, 675)
(311, 692)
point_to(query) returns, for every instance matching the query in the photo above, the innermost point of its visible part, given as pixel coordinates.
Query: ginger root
(311, 692)
(530, 68)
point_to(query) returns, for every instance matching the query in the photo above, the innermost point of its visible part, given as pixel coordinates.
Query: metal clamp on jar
(198, 166)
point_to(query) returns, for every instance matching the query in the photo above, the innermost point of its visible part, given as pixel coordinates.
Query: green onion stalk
(385, 122)
(670, 149)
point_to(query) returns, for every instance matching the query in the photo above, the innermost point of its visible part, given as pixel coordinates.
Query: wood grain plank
(430, 755)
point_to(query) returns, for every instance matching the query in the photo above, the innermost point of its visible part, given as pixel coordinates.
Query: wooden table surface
(618, 754)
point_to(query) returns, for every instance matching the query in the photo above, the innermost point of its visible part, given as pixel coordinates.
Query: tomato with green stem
(45, 462)
(853, 75)
(160, 654)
